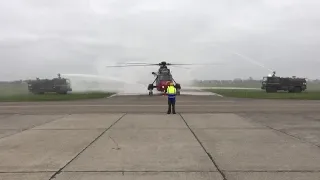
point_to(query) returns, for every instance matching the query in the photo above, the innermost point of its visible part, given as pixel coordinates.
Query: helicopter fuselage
(163, 79)
(163, 85)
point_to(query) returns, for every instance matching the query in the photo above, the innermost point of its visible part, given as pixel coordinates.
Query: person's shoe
(168, 112)
(174, 113)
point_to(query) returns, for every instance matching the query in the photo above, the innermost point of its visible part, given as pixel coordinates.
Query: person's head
(171, 84)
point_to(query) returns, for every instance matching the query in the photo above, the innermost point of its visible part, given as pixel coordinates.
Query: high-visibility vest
(171, 91)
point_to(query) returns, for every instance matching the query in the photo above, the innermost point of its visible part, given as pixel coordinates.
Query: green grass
(13, 88)
(18, 92)
(259, 94)
(53, 97)
(312, 86)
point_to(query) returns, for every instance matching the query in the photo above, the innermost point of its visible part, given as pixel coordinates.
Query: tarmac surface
(132, 137)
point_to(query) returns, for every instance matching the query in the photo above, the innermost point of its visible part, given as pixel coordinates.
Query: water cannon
(273, 73)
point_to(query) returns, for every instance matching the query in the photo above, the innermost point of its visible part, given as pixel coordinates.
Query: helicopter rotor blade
(136, 64)
(180, 67)
(132, 65)
(194, 64)
(170, 64)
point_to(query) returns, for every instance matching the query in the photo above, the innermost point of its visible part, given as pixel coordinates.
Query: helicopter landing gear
(178, 87)
(150, 88)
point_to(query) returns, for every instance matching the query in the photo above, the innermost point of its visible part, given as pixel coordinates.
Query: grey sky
(45, 37)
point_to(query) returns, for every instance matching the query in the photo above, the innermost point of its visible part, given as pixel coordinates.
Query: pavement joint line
(302, 128)
(30, 128)
(149, 105)
(231, 128)
(209, 155)
(295, 137)
(124, 171)
(25, 172)
(67, 129)
(60, 170)
(228, 171)
(273, 171)
(82, 171)
(292, 111)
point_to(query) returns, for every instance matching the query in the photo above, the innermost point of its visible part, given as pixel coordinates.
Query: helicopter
(162, 78)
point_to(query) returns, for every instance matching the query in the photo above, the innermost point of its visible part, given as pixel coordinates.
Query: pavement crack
(209, 155)
(295, 137)
(118, 148)
(60, 170)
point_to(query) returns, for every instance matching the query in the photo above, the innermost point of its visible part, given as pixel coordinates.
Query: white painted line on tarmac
(111, 96)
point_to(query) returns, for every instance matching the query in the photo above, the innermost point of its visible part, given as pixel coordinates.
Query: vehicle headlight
(162, 86)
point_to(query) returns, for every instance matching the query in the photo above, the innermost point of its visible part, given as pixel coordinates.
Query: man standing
(171, 92)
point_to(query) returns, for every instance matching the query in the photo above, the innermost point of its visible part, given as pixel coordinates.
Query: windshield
(165, 78)
(264, 79)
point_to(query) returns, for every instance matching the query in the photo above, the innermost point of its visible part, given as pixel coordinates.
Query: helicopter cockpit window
(164, 70)
(164, 78)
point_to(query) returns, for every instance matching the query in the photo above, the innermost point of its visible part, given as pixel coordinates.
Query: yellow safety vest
(171, 90)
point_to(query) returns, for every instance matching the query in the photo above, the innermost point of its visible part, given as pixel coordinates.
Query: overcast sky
(46, 37)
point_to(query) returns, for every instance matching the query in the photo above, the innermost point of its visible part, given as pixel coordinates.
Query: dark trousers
(171, 104)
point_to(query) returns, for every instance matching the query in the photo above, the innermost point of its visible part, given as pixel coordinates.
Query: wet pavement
(131, 137)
